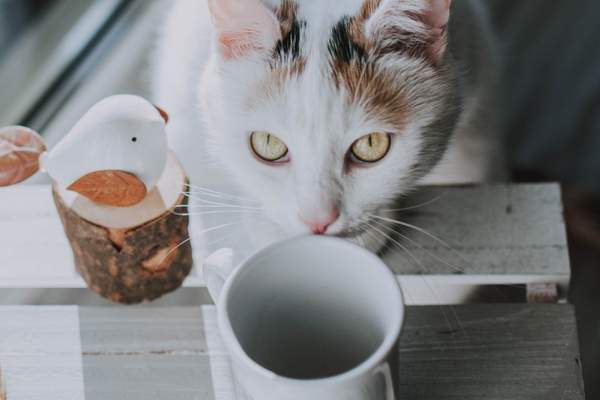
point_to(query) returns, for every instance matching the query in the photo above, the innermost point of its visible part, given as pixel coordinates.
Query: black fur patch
(288, 48)
(341, 46)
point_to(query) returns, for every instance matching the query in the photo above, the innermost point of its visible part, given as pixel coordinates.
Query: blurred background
(550, 116)
(58, 57)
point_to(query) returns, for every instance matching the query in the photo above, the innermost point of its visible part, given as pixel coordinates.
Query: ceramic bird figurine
(113, 155)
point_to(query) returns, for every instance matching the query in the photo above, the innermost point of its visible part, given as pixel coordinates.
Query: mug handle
(386, 371)
(216, 269)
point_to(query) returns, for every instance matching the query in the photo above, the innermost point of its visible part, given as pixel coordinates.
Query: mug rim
(391, 338)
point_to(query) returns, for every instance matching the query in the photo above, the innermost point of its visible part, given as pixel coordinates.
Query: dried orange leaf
(112, 188)
(20, 150)
(163, 114)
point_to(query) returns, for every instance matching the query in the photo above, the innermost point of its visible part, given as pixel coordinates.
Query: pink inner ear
(437, 18)
(239, 44)
(438, 14)
(244, 27)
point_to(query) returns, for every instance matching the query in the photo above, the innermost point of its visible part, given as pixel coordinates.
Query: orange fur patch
(280, 73)
(356, 27)
(286, 14)
(378, 92)
(286, 72)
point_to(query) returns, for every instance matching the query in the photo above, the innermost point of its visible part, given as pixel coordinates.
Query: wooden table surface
(498, 234)
(482, 352)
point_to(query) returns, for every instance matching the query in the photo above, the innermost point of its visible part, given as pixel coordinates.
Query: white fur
(194, 84)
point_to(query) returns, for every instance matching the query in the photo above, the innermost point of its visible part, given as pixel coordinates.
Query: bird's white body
(120, 133)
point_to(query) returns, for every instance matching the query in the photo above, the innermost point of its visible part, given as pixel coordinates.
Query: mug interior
(312, 308)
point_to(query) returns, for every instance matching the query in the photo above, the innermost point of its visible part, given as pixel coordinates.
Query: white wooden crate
(501, 234)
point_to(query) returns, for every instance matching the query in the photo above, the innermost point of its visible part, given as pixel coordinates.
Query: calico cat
(327, 112)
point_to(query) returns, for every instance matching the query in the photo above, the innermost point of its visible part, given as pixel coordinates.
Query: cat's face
(326, 114)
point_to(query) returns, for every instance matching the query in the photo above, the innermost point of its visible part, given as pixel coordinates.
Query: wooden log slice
(131, 254)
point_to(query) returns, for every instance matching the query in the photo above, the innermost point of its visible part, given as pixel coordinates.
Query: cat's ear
(415, 26)
(244, 27)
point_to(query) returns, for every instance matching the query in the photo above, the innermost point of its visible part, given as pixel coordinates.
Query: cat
(326, 113)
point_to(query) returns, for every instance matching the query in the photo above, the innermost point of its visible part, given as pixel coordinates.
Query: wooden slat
(504, 230)
(144, 354)
(511, 234)
(465, 352)
(495, 230)
(35, 250)
(480, 352)
(491, 352)
(494, 235)
(40, 353)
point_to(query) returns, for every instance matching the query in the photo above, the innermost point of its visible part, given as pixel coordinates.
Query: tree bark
(130, 265)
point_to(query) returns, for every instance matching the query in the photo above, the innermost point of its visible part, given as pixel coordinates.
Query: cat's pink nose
(320, 226)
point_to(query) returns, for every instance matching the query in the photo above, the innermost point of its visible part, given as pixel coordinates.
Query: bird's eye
(371, 148)
(134, 139)
(268, 147)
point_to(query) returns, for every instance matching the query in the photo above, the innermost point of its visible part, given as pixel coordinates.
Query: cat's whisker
(423, 231)
(382, 241)
(196, 198)
(419, 264)
(436, 257)
(214, 212)
(197, 201)
(209, 197)
(416, 206)
(431, 254)
(214, 193)
(446, 245)
(380, 228)
(427, 283)
(204, 196)
(261, 225)
(215, 207)
(361, 240)
(201, 201)
(194, 234)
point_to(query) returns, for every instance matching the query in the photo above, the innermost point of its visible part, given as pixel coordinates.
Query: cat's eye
(268, 147)
(371, 148)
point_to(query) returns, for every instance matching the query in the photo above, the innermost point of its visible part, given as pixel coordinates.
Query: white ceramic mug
(311, 318)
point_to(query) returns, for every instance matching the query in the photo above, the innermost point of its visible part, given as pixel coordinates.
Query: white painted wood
(140, 353)
(498, 235)
(35, 251)
(223, 381)
(40, 353)
(472, 352)
(491, 352)
(503, 230)
(494, 235)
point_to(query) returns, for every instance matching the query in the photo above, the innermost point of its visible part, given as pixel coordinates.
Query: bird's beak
(163, 114)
